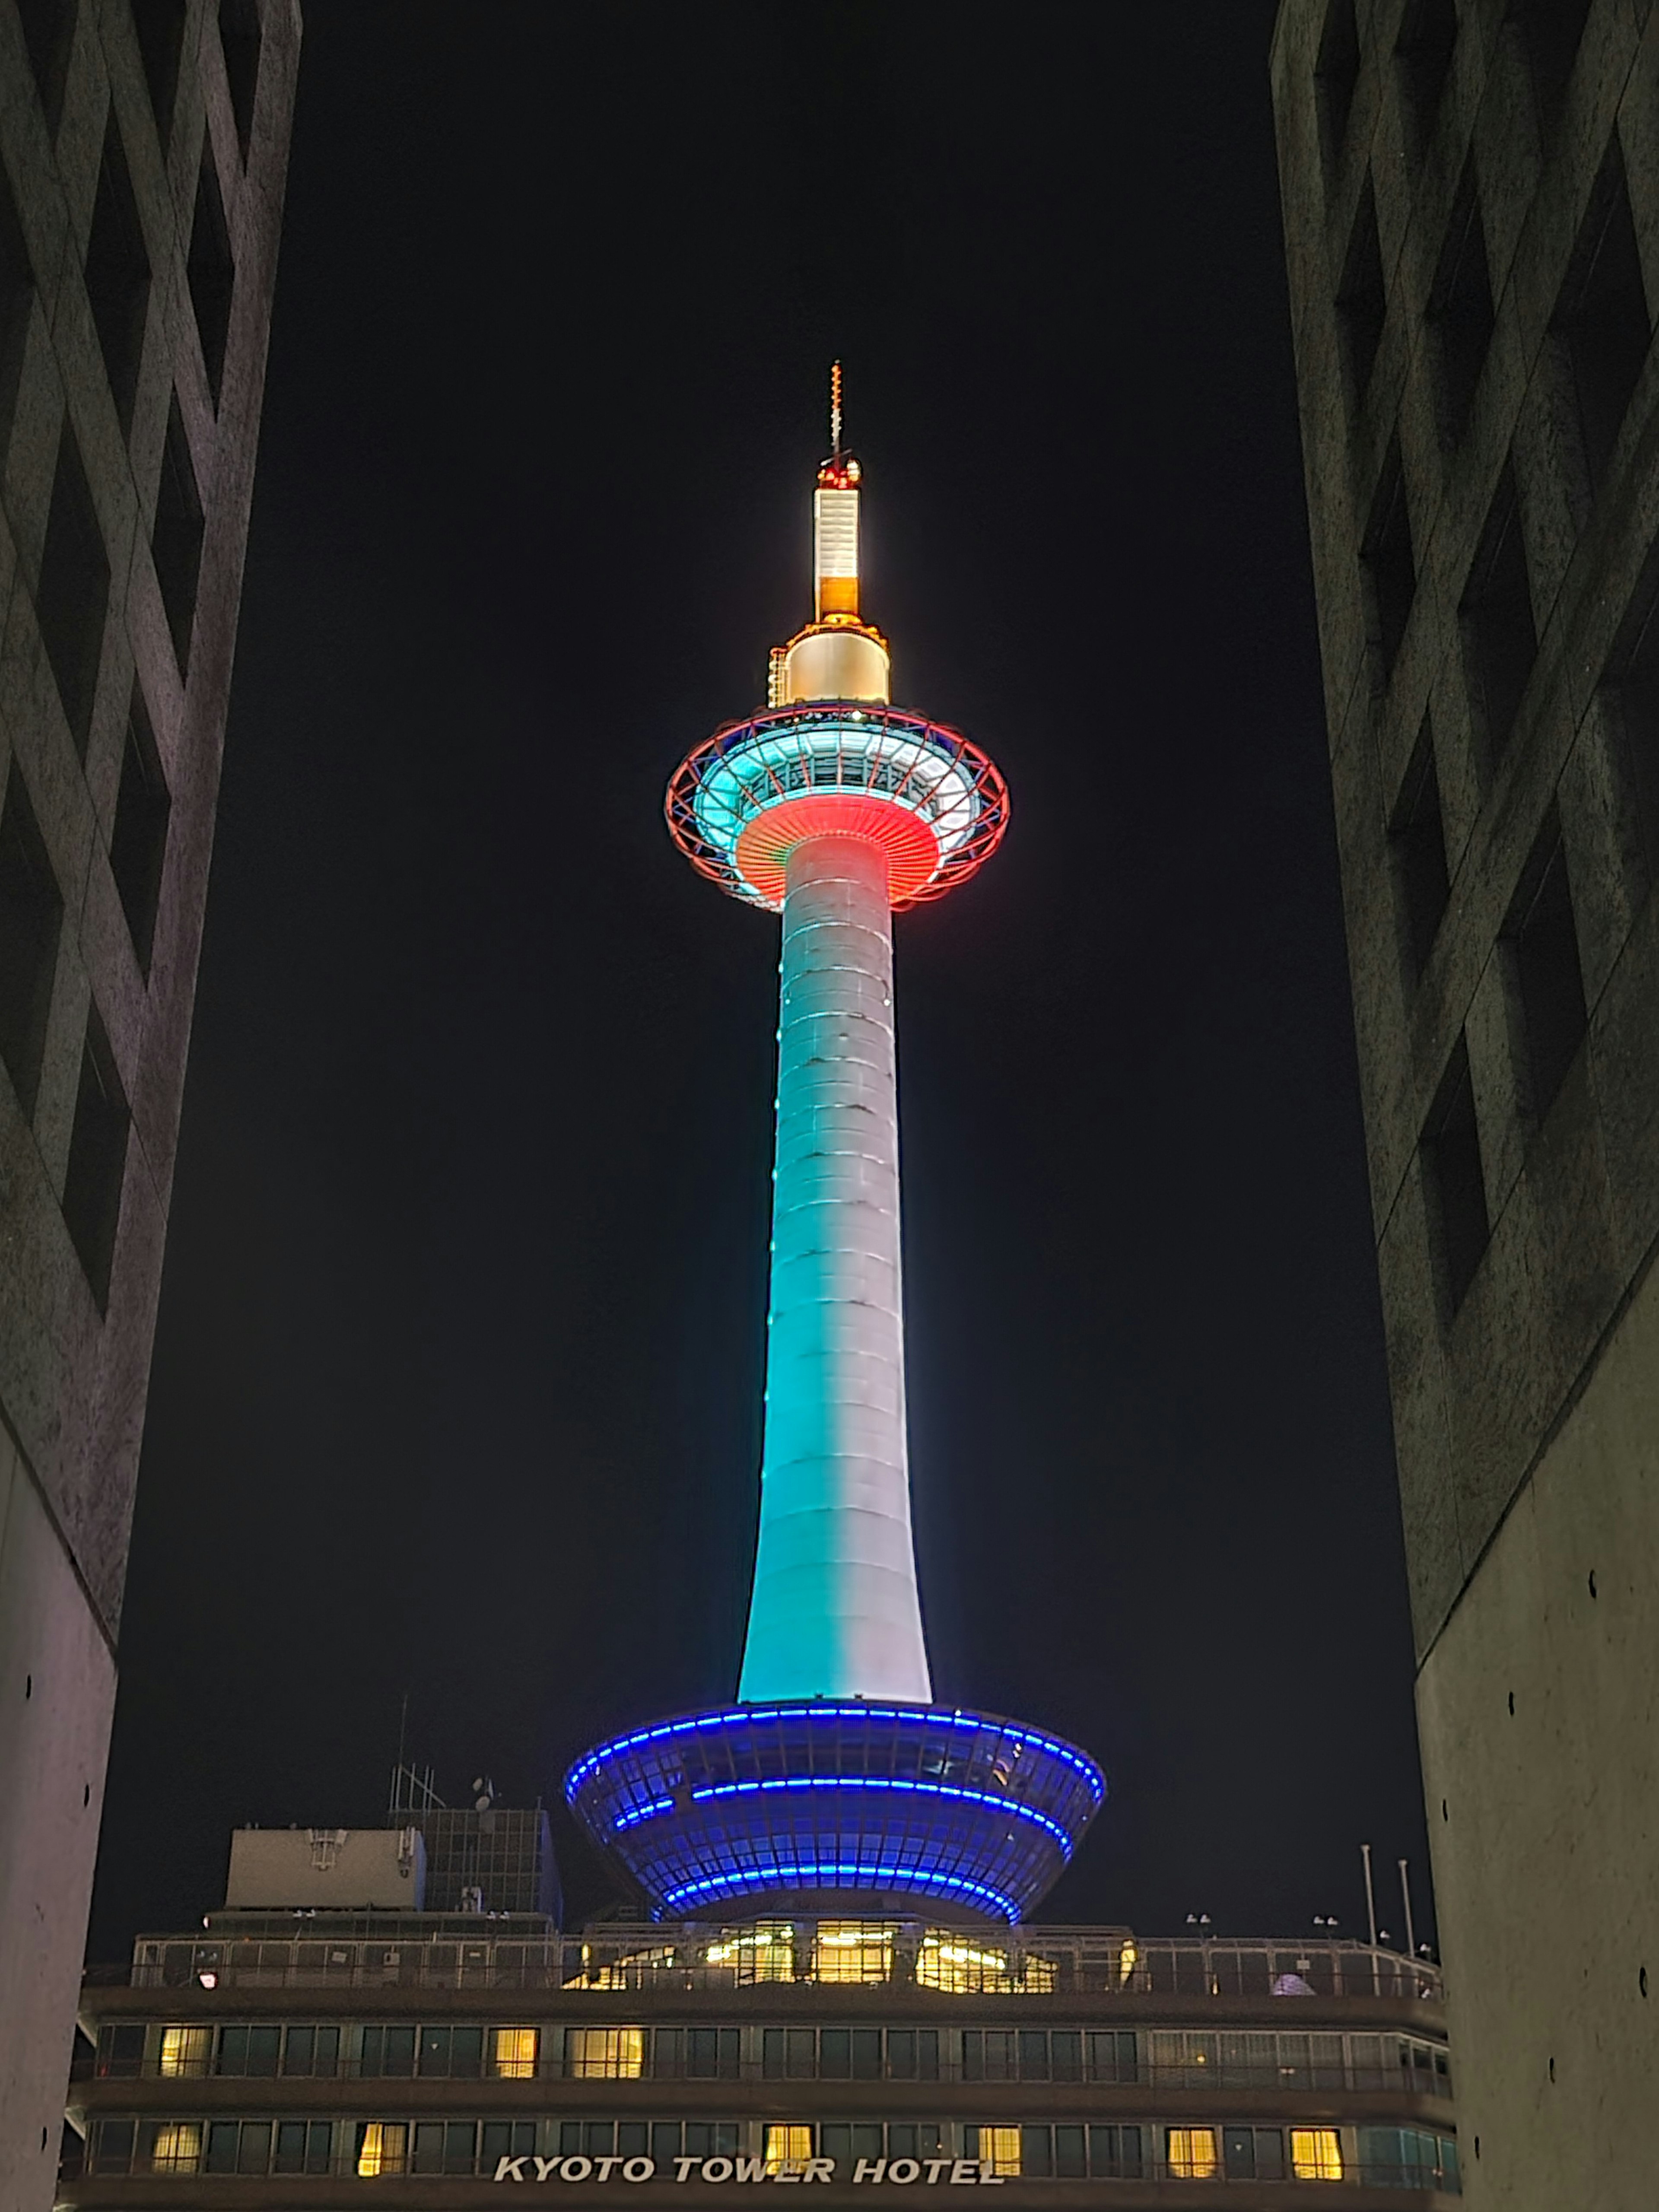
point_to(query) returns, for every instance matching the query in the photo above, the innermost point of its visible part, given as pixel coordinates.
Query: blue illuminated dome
(793, 1805)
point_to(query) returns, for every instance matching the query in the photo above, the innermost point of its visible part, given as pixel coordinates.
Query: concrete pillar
(835, 1611)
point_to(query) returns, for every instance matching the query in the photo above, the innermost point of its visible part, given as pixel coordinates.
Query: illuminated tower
(836, 1771)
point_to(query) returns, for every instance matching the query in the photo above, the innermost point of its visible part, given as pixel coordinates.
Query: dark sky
(457, 1381)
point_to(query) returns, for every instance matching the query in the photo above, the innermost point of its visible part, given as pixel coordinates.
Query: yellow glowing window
(1191, 2153)
(604, 2054)
(854, 1952)
(383, 2149)
(177, 2148)
(999, 2147)
(788, 2144)
(962, 1967)
(515, 2053)
(1316, 2155)
(764, 1953)
(186, 2050)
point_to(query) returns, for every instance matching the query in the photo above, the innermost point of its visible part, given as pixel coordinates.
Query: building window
(210, 272)
(1361, 301)
(387, 2052)
(1190, 2153)
(1459, 1227)
(1253, 2153)
(382, 2147)
(1336, 73)
(1388, 567)
(999, 2149)
(913, 2054)
(453, 2053)
(185, 2050)
(850, 2054)
(1500, 642)
(1460, 311)
(604, 2054)
(48, 35)
(513, 2053)
(31, 922)
(97, 1160)
(1316, 2155)
(446, 2146)
(1543, 946)
(1417, 852)
(312, 2051)
(73, 598)
(176, 2146)
(240, 36)
(118, 275)
(303, 2146)
(500, 2139)
(1550, 31)
(1423, 57)
(176, 545)
(852, 1952)
(160, 28)
(1602, 315)
(252, 2053)
(788, 2146)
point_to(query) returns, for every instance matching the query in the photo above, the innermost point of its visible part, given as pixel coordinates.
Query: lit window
(1316, 2155)
(186, 2050)
(764, 1953)
(384, 2148)
(1191, 2153)
(946, 1963)
(1125, 1964)
(177, 2148)
(788, 2145)
(604, 2054)
(999, 2149)
(851, 1951)
(515, 2053)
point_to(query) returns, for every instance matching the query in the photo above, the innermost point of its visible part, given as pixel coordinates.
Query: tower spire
(834, 409)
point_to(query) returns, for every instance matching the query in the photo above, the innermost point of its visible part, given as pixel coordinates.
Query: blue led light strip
(813, 1876)
(756, 1716)
(871, 1782)
(644, 1813)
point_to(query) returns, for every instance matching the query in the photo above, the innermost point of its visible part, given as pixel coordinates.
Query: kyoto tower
(835, 1771)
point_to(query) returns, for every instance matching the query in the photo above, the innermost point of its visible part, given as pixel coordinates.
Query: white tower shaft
(835, 1611)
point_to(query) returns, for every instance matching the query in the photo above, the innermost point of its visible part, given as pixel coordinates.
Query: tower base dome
(825, 1805)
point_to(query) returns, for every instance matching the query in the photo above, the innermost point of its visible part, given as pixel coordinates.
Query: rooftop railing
(1037, 1962)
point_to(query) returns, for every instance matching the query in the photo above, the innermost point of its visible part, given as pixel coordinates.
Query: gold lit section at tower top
(838, 655)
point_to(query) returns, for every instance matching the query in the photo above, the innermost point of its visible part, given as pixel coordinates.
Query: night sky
(457, 1375)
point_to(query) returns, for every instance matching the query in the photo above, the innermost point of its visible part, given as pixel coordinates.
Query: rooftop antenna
(834, 409)
(1370, 1897)
(1406, 1892)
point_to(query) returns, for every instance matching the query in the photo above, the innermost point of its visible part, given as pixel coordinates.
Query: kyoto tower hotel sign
(836, 1772)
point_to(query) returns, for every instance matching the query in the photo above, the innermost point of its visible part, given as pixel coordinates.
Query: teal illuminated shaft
(835, 1611)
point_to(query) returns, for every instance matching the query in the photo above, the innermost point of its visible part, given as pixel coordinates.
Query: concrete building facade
(1471, 195)
(143, 146)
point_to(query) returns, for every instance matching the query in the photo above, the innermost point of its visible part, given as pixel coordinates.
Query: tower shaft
(835, 1611)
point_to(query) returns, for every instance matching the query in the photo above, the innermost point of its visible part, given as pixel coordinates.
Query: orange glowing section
(766, 841)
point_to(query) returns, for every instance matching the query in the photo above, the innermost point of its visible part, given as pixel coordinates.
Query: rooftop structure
(835, 1771)
(432, 2060)
(1472, 229)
